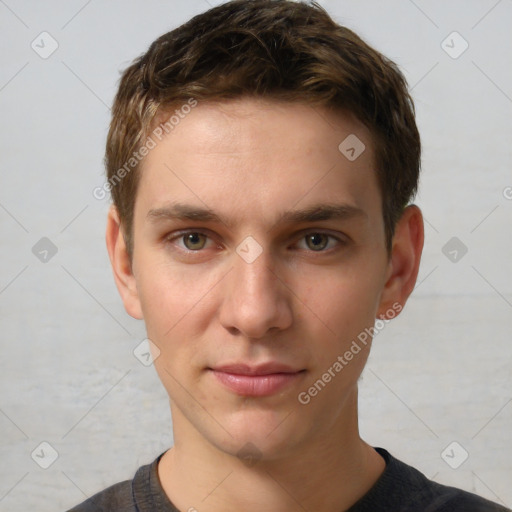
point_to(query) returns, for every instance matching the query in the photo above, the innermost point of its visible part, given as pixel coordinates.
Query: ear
(404, 262)
(122, 265)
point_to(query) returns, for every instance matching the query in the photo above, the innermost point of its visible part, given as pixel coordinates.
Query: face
(259, 257)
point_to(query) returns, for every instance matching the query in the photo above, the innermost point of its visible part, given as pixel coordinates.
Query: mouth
(262, 380)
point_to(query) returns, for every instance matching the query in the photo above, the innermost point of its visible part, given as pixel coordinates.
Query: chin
(261, 435)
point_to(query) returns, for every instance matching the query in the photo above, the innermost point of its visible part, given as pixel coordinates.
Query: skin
(301, 302)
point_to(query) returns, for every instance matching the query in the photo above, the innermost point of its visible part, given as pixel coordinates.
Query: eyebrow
(321, 212)
(313, 213)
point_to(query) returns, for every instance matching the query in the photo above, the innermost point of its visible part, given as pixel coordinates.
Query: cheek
(346, 300)
(178, 308)
(169, 294)
(173, 313)
(159, 304)
(343, 305)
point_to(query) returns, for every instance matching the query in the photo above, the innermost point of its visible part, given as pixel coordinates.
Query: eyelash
(179, 236)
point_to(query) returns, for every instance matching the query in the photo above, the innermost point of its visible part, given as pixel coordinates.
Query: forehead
(259, 155)
(243, 123)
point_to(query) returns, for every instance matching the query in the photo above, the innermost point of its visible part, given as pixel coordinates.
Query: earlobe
(404, 262)
(122, 265)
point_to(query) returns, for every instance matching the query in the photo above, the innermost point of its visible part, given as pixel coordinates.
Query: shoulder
(442, 498)
(127, 496)
(118, 497)
(404, 488)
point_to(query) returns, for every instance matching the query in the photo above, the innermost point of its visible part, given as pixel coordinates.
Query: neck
(328, 473)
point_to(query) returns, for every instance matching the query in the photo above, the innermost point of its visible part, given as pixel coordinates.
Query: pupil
(193, 239)
(316, 240)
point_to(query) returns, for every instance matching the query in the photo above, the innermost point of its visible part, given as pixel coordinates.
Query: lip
(261, 380)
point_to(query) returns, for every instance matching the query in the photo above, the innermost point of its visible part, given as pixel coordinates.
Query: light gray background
(439, 373)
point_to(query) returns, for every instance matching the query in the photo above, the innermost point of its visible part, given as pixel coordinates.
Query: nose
(256, 301)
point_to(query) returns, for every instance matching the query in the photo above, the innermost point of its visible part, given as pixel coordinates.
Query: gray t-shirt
(400, 488)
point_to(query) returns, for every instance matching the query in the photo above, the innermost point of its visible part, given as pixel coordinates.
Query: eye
(191, 245)
(318, 241)
(194, 241)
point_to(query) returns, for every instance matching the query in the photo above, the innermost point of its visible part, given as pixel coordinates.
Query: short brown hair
(276, 49)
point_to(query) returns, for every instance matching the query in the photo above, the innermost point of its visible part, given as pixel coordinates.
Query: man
(262, 160)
